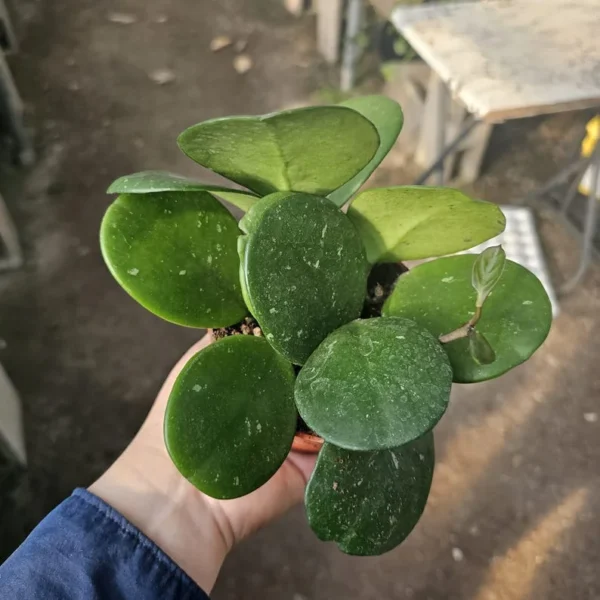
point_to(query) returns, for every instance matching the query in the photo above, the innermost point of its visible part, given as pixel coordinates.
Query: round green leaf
(413, 222)
(368, 502)
(439, 296)
(388, 119)
(303, 271)
(175, 253)
(374, 384)
(231, 419)
(161, 181)
(314, 150)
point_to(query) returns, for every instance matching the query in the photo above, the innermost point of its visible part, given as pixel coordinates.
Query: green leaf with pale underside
(314, 150)
(515, 320)
(368, 502)
(160, 181)
(374, 384)
(230, 420)
(487, 270)
(388, 119)
(303, 270)
(413, 222)
(176, 254)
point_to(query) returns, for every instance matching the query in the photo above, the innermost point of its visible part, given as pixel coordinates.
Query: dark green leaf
(388, 119)
(413, 222)
(175, 253)
(160, 181)
(230, 420)
(480, 349)
(303, 270)
(314, 150)
(368, 502)
(374, 384)
(516, 317)
(487, 270)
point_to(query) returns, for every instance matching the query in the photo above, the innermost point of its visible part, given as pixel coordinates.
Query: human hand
(196, 531)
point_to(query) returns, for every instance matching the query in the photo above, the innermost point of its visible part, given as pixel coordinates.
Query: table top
(505, 59)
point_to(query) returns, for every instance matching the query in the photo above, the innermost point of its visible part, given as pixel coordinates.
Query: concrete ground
(513, 510)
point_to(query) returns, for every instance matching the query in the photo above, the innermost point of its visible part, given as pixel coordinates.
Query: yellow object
(587, 147)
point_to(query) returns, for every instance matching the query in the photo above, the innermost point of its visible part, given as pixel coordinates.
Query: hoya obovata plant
(371, 379)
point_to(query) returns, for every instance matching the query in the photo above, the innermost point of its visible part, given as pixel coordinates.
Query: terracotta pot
(307, 443)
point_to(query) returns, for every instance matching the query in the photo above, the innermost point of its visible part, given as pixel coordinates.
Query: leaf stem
(463, 330)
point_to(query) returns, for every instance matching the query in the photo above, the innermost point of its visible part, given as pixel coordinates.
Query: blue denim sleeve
(84, 549)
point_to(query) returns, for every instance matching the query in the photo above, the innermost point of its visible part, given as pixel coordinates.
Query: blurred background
(106, 86)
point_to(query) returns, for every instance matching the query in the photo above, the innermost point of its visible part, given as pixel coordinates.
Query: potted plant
(331, 342)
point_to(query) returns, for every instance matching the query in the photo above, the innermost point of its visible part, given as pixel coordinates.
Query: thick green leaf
(161, 181)
(487, 270)
(480, 349)
(412, 222)
(175, 253)
(368, 502)
(314, 150)
(388, 119)
(230, 420)
(303, 270)
(438, 295)
(374, 384)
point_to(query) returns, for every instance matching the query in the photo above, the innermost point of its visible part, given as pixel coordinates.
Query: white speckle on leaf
(273, 310)
(400, 337)
(339, 252)
(395, 460)
(269, 336)
(447, 279)
(209, 260)
(258, 427)
(183, 272)
(324, 231)
(527, 302)
(133, 272)
(248, 426)
(288, 268)
(199, 223)
(300, 332)
(219, 228)
(236, 481)
(197, 388)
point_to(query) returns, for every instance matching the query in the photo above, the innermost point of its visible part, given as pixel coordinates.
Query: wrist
(144, 486)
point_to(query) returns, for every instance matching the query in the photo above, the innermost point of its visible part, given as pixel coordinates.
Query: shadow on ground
(516, 486)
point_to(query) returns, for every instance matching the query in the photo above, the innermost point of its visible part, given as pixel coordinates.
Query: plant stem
(463, 330)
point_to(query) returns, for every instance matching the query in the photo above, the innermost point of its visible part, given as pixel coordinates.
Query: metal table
(506, 59)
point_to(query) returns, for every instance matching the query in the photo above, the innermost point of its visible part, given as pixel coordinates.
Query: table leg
(589, 226)
(354, 15)
(441, 111)
(438, 165)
